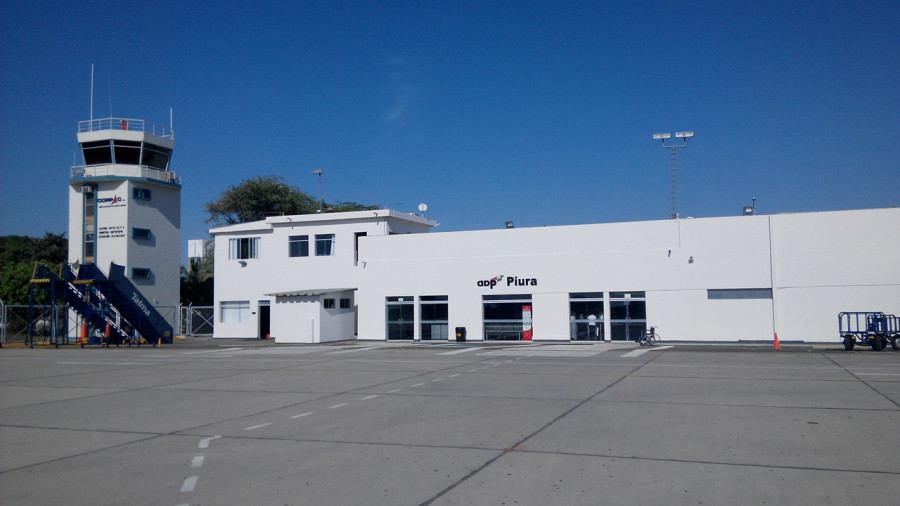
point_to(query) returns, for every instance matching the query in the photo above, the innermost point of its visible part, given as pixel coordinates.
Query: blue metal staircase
(103, 302)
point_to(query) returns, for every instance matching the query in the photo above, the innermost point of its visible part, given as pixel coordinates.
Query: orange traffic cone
(83, 337)
(777, 345)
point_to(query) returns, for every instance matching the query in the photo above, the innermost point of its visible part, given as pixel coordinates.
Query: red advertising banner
(527, 332)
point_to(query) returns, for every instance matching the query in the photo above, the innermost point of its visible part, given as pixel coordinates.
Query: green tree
(197, 279)
(341, 207)
(256, 198)
(18, 256)
(262, 196)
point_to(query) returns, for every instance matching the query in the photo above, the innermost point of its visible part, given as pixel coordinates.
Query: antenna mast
(92, 92)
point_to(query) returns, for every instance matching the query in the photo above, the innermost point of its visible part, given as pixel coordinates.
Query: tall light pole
(673, 165)
(319, 173)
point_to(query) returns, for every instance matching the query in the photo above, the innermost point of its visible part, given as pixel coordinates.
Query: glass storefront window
(503, 317)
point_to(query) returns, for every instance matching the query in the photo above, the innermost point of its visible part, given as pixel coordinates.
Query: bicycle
(649, 337)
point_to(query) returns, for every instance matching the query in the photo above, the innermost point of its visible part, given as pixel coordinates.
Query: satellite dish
(423, 207)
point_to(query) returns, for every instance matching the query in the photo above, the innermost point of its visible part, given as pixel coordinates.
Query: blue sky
(537, 112)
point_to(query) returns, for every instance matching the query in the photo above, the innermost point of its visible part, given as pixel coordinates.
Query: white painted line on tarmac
(641, 351)
(471, 370)
(198, 461)
(349, 351)
(211, 351)
(877, 374)
(189, 484)
(368, 397)
(204, 443)
(395, 390)
(417, 385)
(302, 414)
(454, 352)
(105, 363)
(436, 380)
(454, 375)
(341, 405)
(258, 426)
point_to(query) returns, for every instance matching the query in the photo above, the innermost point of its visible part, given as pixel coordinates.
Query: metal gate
(197, 320)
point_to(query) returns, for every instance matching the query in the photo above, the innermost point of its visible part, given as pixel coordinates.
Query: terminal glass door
(628, 315)
(433, 317)
(586, 316)
(504, 317)
(400, 318)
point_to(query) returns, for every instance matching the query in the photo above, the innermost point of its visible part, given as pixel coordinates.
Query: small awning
(311, 292)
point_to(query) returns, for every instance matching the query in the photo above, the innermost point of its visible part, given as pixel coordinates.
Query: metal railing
(137, 125)
(110, 169)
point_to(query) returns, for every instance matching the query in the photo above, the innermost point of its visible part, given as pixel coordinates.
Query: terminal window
(739, 293)
(242, 248)
(324, 245)
(298, 246)
(237, 311)
(329, 303)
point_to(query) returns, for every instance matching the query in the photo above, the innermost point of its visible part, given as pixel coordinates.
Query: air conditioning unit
(87, 189)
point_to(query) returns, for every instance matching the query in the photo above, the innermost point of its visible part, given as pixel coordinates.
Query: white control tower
(125, 205)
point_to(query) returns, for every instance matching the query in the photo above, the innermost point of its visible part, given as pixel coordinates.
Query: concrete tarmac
(249, 422)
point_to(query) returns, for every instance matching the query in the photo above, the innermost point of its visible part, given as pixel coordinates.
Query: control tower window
(97, 153)
(156, 156)
(127, 152)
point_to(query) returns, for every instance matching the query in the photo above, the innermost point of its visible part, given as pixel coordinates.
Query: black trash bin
(460, 334)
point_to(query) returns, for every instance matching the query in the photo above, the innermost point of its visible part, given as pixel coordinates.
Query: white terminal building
(380, 276)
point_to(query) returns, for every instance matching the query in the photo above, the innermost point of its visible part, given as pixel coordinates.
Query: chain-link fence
(197, 320)
(185, 320)
(14, 320)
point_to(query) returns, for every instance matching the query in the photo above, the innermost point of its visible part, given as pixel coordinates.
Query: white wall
(117, 214)
(276, 272)
(824, 263)
(338, 324)
(161, 254)
(830, 262)
(673, 261)
(304, 319)
(295, 319)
